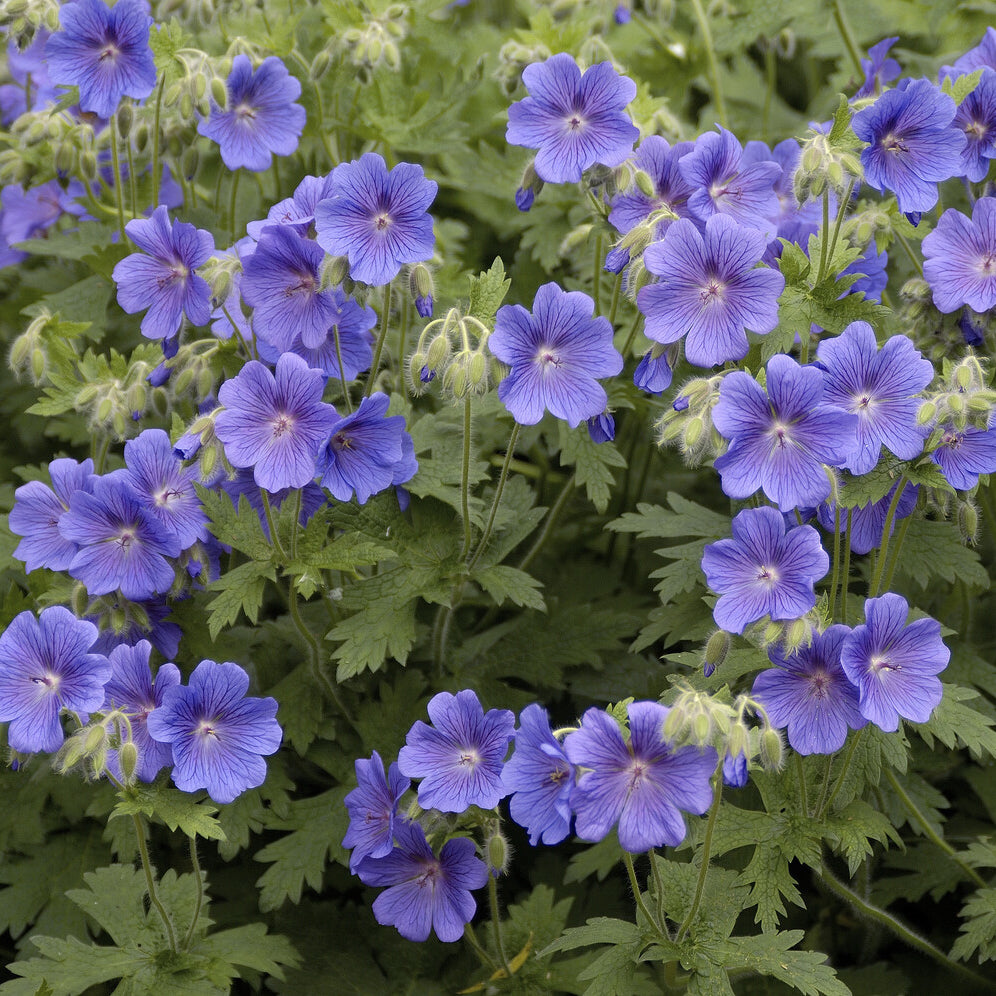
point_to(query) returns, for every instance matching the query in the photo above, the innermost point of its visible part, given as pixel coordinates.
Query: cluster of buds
(452, 348)
(201, 81)
(28, 355)
(829, 161)
(22, 19)
(630, 247)
(89, 747)
(789, 635)
(513, 57)
(688, 423)
(200, 442)
(963, 399)
(201, 12)
(376, 42)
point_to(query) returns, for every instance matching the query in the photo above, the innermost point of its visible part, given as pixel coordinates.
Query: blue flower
(808, 694)
(281, 282)
(880, 387)
(367, 452)
(104, 51)
(868, 521)
(763, 571)
(26, 214)
(121, 545)
(963, 454)
(574, 119)
(540, 779)
(725, 184)
(298, 210)
(556, 355)
(459, 758)
(261, 119)
(161, 277)
(653, 373)
(879, 68)
(275, 423)
(960, 258)
(38, 509)
(781, 439)
(46, 666)
(377, 218)
(642, 784)
(976, 116)
(217, 735)
(373, 808)
(425, 892)
(914, 143)
(132, 690)
(894, 665)
(710, 292)
(735, 770)
(983, 56)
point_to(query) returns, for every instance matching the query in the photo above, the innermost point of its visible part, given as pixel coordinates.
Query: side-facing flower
(642, 784)
(425, 892)
(960, 258)
(895, 665)
(46, 666)
(963, 454)
(556, 355)
(976, 116)
(879, 68)
(540, 779)
(763, 571)
(459, 758)
(780, 440)
(808, 695)
(367, 452)
(132, 690)
(377, 217)
(868, 521)
(261, 118)
(914, 143)
(373, 807)
(275, 423)
(574, 119)
(670, 189)
(217, 734)
(104, 51)
(711, 290)
(879, 386)
(161, 277)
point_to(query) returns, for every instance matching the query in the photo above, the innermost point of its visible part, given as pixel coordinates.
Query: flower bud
(37, 363)
(79, 601)
(968, 522)
(927, 413)
(189, 161)
(186, 106)
(392, 57)
(497, 851)
(219, 93)
(334, 271)
(702, 728)
(88, 166)
(95, 738)
(645, 183)
(715, 651)
(125, 119)
(738, 740)
(772, 749)
(128, 760)
(477, 369)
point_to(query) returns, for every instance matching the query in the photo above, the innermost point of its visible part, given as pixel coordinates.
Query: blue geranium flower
(373, 808)
(376, 217)
(960, 258)
(217, 735)
(556, 355)
(574, 119)
(261, 118)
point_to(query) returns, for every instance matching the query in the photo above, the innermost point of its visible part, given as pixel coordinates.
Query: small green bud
(205, 382)
(65, 157)
(963, 376)
(702, 728)
(334, 270)
(72, 753)
(160, 402)
(968, 522)
(497, 850)
(119, 423)
(189, 161)
(128, 760)
(37, 363)
(798, 634)
(200, 87)
(172, 95)
(95, 738)
(138, 397)
(375, 49)
(186, 106)
(957, 403)
(927, 413)
(772, 749)
(477, 369)
(125, 119)
(183, 381)
(352, 36)
(457, 380)
(645, 183)
(79, 601)
(738, 740)
(320, 65)
(716, 650)
(88, 166)
(209, 458)
(693, 432)
(439, 351)
(219, 93)
(835, 174)
(104, 410)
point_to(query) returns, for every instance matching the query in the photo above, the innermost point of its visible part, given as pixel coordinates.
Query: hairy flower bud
(716, 650)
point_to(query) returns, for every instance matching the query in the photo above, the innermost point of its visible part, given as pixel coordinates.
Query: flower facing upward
(132, 690)
(425, 892)
(373, 807)
(879, 386)
(895, 666)
(104, 51)
(217, 735)
(960, 258)
(540, 778)
(377, 217)
(556, 355)
(763, 571)
(643, 784)
(261, 118)
(575, 119)
(275, 424)
(45, 666)
(710, 292)
(914, 143)
(161, 277)
(780, 441)
(808, 694)
(459, 758)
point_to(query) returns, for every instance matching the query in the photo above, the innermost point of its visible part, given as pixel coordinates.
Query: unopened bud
(497, 851)
(956, 402)
(79, 601)
(37, 363)
(104, 410)
(65, 158)
(772, 749)
(693, 432)
(477, 369)
(128, 760)
(334, 270)
(963, 377)
(88, 166)
(189, 161)
(219, 93)
(927, 413)
(209, 458)
(95, 737)
(968, 522)
(798, 634)
(392, 57)
(702, 728)
(715, 651)
(738, 740)
(125, 119)
(645, 183)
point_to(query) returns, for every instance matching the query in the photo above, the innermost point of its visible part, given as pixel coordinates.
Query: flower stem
(614, 304)
(635, 886)
(631, 335)
(232, 205)
(914, 259)
(894, 555)
(118, 193)
(717, 794)
(471, 938)
(658, 888)
(274, 535)
(465, 480)
(150, 883)
(496, 924)
(835, 577)
(502, 477)
(824, 805)
(188, 940)
(931, 832)
(156, 169)
(717, 90)
(845, 33)
(551, 519)
(342, 371)
(132, 182)
(845, 580)
(596, 274)
(385, 315)
(801, 775)
(883, 549)
(870, 912)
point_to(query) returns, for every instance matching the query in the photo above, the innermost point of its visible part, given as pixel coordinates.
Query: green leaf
(178, 810)
(852, 830)
(599, 930)
(239, 590)
(958, 725)
(84, 302)
(239, 528)
(487, 293)
(502, 582)
(978, 932)
(683, 518)
(315, 828)
(166, 41)
(593, 463)
(69, 967)
(251, 947)
(960, 87)
(598, 860)
(934, 550)
(770, 954)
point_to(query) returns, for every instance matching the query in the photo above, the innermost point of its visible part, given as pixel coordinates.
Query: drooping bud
(716, 649)
(128, 760)
(422, 290)
(772, 749)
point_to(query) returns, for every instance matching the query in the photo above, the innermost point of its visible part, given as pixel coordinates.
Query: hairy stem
(150, 883)
(717, 794)
(634, 884)
(847, 37)
(496, 924)
(717, 90)
(385, 316)
(502, 478)
(196, 865)
(465, 480)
